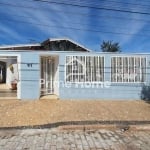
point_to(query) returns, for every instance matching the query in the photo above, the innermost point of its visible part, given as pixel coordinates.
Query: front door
(47, 75)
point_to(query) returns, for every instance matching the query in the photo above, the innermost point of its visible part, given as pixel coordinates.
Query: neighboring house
(69, 70)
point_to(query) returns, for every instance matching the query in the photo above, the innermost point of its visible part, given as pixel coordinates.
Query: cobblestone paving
(45, 139)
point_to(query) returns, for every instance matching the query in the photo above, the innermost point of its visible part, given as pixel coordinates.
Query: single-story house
(67, 69)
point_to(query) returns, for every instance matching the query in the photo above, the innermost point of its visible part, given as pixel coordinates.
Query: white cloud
(9, 33)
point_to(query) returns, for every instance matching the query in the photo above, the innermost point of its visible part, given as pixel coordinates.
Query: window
(128, 69)
(84, 68)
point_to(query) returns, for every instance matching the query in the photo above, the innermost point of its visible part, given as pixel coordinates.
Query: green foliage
(11, 68)
(109, 46)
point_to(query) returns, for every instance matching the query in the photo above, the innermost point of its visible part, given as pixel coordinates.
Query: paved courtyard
(46, 139)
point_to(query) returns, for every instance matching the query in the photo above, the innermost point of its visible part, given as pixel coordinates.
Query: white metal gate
(47, 75)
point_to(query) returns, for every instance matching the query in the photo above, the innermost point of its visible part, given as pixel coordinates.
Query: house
(67, 69)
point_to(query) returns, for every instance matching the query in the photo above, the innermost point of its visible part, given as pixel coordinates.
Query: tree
(110, 46)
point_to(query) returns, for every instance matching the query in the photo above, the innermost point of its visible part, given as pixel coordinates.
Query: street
(48, 139)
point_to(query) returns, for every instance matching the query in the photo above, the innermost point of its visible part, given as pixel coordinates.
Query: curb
(88, 125)
(140, 127)
(106, 126)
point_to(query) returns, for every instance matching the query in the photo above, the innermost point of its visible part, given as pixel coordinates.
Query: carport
(9, 77)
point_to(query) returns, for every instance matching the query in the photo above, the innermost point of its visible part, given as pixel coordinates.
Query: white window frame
(128, 69)
(100, 68)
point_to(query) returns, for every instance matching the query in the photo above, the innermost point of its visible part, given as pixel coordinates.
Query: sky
(88, 22)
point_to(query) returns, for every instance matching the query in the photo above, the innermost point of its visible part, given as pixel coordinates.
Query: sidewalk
(45, 139)
(29, 113)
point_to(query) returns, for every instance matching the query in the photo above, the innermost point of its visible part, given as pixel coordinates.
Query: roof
(19, 45)
(66, 39)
